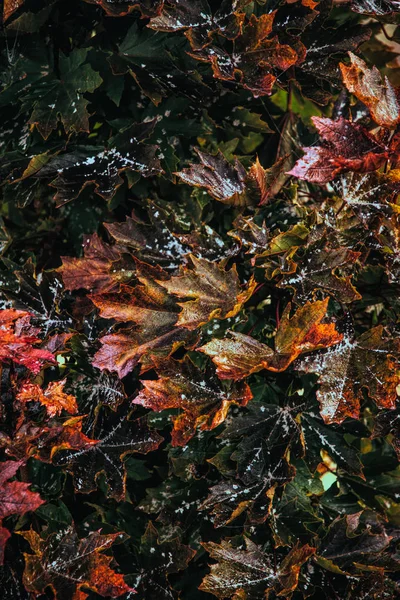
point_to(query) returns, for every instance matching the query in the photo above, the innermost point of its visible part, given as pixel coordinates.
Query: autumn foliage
(200, 299)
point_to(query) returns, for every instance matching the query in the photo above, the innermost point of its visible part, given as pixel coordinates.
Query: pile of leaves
(200, 299)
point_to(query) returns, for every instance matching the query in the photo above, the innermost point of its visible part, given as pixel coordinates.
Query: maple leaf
(240, 355)
(204, 402)
(102, 167)
(15, 498)
(67, 564)
(198, 21)
(368, 194)
(265, 433)
(65, 96)
(53, 398)
(249, 573)
(153, 315)
(17, 337)
(115, 437)
(254, 58)
(346, 146)
(345, 547)
(154, 243)
(215, 292)
(368, 362)
(223, 181)
(317, 269)
(100, 269)
(367, 85)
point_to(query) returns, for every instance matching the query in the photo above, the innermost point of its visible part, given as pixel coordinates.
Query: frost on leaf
(368, 194)
(200, 396)
(103, 167)
(318, 268)
(15, 498)
(210, 291)
(66, 564)
(64, 96)
(17, 338)
(250, 572)
(223, 181)
(240, 355)
(116, 437)
(367, 85)
(53, 397)
(345, 146)
(255, 57)
(369, 362)
(160, 558)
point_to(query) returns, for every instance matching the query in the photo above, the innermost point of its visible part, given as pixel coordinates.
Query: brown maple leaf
(67, 564)
(102, 267)
(53, 398)
(240, 355)
(152, 314)
(366, 84)
(200, 395)
(210, 291)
